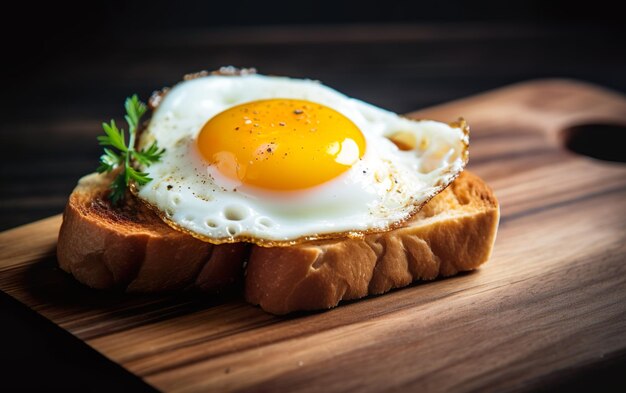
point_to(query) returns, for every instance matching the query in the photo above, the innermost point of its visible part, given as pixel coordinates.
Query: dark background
(66, 67)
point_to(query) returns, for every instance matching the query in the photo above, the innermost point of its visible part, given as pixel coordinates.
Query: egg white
(386, 187)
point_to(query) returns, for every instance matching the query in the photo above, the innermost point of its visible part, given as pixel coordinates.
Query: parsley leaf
(108, 161)
(149, 155)
(115, 139)
(118, 189)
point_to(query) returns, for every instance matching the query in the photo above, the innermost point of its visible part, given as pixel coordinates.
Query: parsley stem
(131, 147)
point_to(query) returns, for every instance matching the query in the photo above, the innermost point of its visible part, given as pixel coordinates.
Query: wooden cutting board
(551, 301)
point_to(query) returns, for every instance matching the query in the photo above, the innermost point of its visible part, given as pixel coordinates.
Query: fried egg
(276, 161)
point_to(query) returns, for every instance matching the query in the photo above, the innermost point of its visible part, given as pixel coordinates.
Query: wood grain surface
(551, 301)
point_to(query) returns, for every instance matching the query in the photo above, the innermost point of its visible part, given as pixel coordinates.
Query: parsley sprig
(126, 154)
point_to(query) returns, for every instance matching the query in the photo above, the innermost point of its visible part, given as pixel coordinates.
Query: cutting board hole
(597, 140)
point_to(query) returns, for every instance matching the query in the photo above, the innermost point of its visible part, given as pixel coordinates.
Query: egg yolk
(281, 144)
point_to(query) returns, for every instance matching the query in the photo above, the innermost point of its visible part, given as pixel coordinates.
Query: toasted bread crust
(454, 232)
(131, 248)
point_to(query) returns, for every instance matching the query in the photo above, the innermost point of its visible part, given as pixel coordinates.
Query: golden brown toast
(131, 248)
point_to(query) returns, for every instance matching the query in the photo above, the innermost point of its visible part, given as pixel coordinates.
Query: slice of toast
(454, 232)
(129, 247)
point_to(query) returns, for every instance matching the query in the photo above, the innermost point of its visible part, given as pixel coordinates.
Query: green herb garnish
(115, 139)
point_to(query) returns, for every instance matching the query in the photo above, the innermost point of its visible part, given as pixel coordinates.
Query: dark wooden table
(50, 118)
